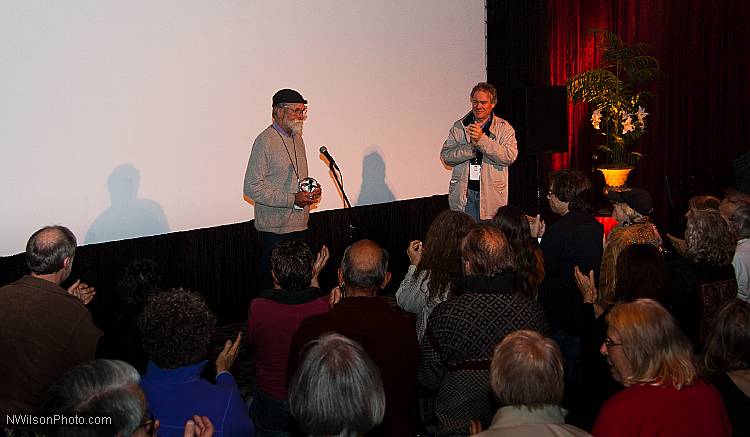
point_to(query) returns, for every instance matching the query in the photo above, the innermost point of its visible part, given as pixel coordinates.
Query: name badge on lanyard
(474, 171)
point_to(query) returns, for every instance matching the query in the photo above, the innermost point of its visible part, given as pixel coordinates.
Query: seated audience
(695, 203)
(527, 379)
(176, 328)
(44, 328)
(726, 362)
(433, 265)
(273, 317)
(704, 279)
(663, 396)
(741, 259)
(108, 388)
(337, 390)
(574, 240)
(463, 331)
(631, 210)
(385, 333)
(141, 280)
(514, 224)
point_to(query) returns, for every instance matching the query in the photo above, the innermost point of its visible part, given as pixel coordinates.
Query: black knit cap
(287, 96)
(636, 198)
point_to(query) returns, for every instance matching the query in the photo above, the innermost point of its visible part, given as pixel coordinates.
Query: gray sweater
(271, 182)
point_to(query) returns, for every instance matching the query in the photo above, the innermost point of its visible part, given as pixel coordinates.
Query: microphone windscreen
(323, 149)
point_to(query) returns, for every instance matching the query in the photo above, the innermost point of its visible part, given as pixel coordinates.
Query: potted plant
(615, 89)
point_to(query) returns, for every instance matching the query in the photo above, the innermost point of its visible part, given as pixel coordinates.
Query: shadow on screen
(374, 189)
(128, 216)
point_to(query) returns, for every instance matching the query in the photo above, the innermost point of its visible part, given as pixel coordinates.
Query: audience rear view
(507, 328)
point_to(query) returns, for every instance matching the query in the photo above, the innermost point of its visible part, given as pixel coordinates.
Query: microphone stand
(340, 183)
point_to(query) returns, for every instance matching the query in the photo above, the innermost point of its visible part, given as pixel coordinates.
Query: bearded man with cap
(276, 166)
(631, 210)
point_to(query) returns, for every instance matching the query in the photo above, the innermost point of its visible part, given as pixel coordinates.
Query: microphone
(324, 152)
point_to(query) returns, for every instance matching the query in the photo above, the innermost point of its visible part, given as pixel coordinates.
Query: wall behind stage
(130, 118)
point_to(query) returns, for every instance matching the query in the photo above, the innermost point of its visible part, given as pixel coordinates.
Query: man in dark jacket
(576, 239)
(45, 329)
(387, 334)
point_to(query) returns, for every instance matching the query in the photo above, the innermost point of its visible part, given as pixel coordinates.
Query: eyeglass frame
(297, 112)
(609, 343)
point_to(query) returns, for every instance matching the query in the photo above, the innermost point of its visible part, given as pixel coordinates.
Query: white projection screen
(122, 119)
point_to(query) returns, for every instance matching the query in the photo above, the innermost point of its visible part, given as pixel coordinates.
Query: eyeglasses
(609, 343)
(296, 111)
(149, 424)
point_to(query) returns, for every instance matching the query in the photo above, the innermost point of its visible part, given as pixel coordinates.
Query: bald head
(365, 266)
(48, 248)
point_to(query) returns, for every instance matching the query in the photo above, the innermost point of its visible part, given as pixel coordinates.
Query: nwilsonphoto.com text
(12, 420)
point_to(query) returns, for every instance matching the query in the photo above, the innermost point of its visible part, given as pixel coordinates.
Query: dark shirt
(575, 240)
(736, 402)
(389, 337)
(123, 340)
(44, 331)
(687, 278)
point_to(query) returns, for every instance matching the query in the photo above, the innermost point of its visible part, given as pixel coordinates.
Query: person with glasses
(480, 147)
(574, 240)
(663, 396)
(107, 393)
(277, 165)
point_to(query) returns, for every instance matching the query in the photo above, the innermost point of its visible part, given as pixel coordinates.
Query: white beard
(296, 127)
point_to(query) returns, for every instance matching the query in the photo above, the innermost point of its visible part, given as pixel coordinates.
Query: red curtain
(698, 118)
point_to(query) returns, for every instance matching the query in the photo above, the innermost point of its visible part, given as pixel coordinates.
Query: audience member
(176, 327)
(652, 358)
(704, 279)
(574, 240)
(100, 388)
(514, 224)
(695, 203)
(631, 210)
(107, 388)
(726, 362)
(386, 333)
(273, 317)
(731, 200)
(463, 331)
(434, 265)
(337, 390)
(741, 259)
(642, 272)
(45, 329)
(527, 378)
(141, 280)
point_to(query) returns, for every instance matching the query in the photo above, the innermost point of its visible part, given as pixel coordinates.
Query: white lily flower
(627, 123)
(596, 118)
(641, 114)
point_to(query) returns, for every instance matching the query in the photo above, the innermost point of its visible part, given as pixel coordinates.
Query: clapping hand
(414, 251)
(320, 262)
(475, 132)
(227, 356)
(199, 426)
(586, 285)
(537, 226)
(82, 291)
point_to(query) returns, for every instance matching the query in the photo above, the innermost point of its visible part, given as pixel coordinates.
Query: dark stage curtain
(220, 262)
(697, 119)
